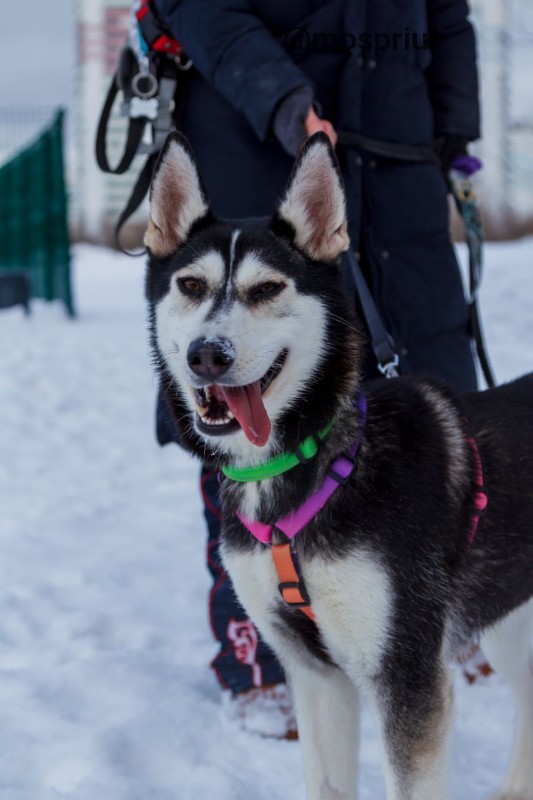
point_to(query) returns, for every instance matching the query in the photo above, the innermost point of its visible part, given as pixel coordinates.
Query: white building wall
(490, 19)
(505, 46)
(521, 165)
(102, 29)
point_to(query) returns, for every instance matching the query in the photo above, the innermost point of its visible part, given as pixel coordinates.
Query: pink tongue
(246, 405)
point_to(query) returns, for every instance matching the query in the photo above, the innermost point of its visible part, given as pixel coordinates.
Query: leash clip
(144, 85)
(390, 369)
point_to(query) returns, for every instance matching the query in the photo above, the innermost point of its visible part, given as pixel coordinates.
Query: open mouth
(225, 409)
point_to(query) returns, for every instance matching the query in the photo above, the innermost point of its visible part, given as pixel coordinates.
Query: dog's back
(500, 566)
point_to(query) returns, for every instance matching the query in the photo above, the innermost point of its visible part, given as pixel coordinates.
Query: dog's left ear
(314, 205)
(177, 197)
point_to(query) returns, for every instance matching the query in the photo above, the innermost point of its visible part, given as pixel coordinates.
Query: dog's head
(251, 333)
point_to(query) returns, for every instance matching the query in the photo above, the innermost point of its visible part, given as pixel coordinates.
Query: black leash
(477, 333)
(138, 193)
(149, 102)
(465, 200)
(382, 342)
(134, 136)
(466, 203)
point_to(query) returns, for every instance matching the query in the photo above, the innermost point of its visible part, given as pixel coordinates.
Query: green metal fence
(33, 216)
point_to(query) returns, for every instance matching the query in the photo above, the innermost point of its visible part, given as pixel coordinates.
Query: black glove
(288, 123)
(448, 149)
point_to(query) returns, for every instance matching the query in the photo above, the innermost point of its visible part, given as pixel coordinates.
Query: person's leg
(258, 699)
(244, 661)
(428, 314)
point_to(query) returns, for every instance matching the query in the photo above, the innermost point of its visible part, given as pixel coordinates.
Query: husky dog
(257, 350)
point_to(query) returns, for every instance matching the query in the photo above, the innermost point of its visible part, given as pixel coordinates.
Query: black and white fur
(396, 590)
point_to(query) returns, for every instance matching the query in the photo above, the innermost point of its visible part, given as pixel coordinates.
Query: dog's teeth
(201, 411)
(217, 420)
(229, 415)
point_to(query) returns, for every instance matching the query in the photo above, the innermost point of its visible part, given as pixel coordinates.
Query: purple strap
(338, 473)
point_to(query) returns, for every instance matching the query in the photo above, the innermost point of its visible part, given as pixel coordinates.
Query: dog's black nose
(210, 358)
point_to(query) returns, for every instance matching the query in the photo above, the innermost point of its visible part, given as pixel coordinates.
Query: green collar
(305, 451)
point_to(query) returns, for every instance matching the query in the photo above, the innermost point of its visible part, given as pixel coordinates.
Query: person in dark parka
(396, 72)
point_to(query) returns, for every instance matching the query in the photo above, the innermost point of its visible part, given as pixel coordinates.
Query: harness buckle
(481, 502)
(299, 587)
(301, 457)
(340, 479)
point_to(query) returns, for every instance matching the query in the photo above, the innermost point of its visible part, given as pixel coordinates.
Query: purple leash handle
(466, 165)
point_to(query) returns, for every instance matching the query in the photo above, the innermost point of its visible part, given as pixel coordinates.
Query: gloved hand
(296, 118)
(466, 165)
(288, 124)
(452, 152)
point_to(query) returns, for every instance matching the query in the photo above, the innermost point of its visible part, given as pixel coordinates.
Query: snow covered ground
(105, 688)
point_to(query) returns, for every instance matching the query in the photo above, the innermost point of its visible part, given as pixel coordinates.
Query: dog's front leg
(509, 648)
(414, 708)
(327, 712)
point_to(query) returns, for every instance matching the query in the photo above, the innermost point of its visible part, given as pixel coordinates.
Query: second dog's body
(258, 351)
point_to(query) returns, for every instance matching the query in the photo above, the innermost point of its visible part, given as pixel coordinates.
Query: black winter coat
(250, 54)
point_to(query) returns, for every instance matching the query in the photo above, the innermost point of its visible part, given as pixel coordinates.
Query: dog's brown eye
(266, 290)
(191, 286)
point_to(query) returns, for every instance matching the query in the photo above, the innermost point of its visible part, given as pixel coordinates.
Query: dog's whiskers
(195, 251)
(173, 352)
(348, 325)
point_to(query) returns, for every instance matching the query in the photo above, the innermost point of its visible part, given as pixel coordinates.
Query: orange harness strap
(291, 587)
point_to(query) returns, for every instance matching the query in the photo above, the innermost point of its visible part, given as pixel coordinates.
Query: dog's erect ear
(177, 197)
(314, 204)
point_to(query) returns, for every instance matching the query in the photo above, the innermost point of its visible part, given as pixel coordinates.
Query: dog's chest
(351, 597)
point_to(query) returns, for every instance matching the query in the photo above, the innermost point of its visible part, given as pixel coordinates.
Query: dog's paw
(266, 711)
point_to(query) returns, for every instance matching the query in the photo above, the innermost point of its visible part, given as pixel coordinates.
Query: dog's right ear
(177, 197)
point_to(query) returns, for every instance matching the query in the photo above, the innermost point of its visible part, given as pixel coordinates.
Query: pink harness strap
(481, 500)
(293, 523)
